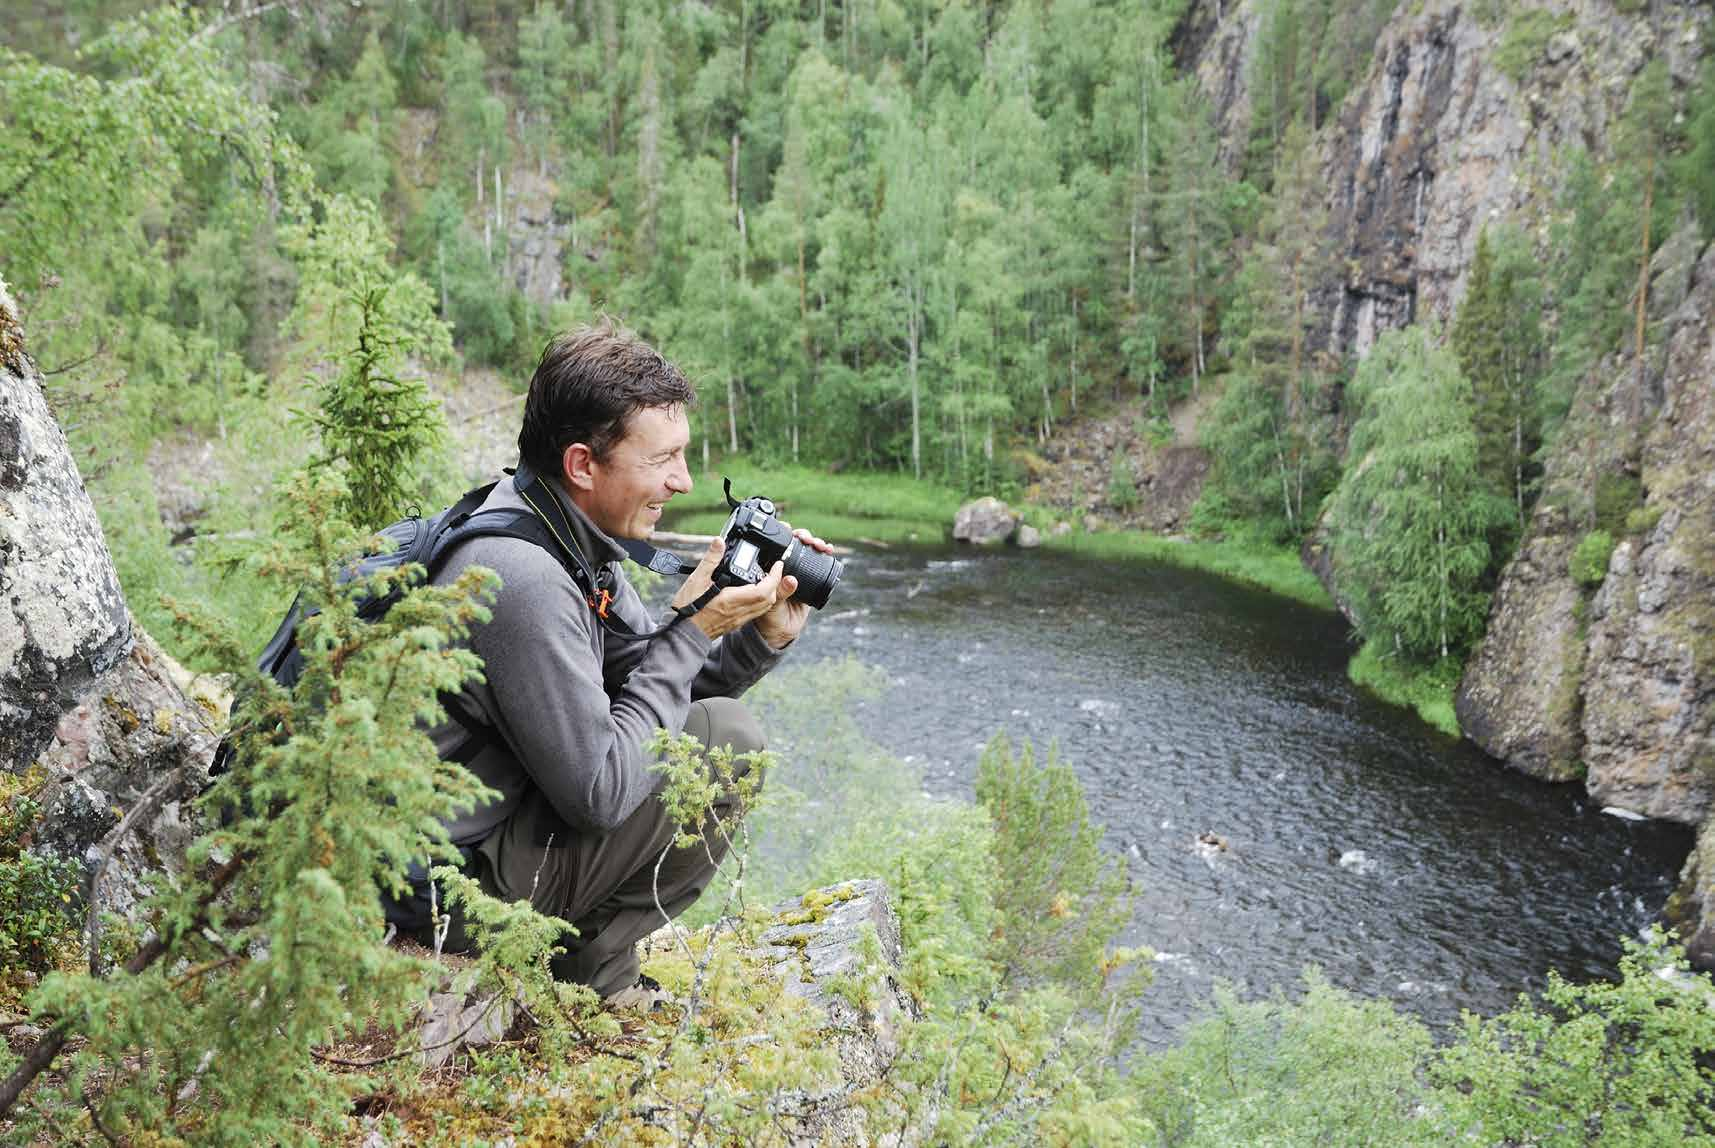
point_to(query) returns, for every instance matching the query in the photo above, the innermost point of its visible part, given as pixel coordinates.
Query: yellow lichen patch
(164, 722)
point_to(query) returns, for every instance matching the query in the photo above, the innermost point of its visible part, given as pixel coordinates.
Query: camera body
(756, 539)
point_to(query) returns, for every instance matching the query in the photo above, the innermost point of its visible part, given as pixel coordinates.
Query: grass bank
(1426, 689)
(842, 508)
(854, 507)
(1276, 569)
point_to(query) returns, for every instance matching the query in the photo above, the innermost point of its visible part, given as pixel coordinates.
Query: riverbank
(860, 507)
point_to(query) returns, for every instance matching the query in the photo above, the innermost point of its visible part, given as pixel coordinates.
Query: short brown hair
(589, 382)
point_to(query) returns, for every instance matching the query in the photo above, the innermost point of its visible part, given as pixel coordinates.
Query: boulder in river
(985, 521)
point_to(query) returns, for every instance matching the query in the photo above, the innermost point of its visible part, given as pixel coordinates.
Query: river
(1405, 863)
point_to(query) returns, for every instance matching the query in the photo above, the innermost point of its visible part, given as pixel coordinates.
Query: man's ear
(577, 467)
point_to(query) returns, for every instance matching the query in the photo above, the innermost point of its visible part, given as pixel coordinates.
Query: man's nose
(679, 481)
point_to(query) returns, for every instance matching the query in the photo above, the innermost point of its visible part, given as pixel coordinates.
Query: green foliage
(1696, 166)
(1527, 34)
(1499, 343)
(1412, 515)
(270, 941)
(1063, 897)
(1623, 1063)
(375, 426)
(1122, 482)
(1616, 497)
(1325, 1069)
(1428, 689)
(1588, 563)
(39, 893)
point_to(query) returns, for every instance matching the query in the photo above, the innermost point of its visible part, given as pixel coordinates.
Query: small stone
(1029, 538)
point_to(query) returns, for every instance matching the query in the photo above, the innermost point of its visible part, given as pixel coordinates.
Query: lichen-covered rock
(84, 694)
(984, 521)
(62, 618)
(145, 720)
(839, 949)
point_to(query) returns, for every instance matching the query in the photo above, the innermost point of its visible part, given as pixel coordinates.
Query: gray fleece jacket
(573, 705)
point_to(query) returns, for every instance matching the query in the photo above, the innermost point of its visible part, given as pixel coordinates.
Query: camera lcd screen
(744, 561)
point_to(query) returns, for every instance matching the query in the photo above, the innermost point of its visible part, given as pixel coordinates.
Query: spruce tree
(1497, 337)
(270, 943)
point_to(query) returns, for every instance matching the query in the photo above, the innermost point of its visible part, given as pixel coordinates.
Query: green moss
(1526, 36)
(1276, 569)
(841, 507)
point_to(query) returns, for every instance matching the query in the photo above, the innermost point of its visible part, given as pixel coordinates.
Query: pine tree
(376, 425)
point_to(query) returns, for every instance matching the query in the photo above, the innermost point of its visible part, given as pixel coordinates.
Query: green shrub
(1061, 898)
(1616, 497)
(1642, 519)
(1624, 1062)
(1329, 1068)
(1589, 562)
(1122, 482)
(38, 891)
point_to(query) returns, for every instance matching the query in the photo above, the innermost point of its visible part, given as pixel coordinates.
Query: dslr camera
(756, 540)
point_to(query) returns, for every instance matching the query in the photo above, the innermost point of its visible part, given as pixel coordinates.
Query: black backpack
(428, 542)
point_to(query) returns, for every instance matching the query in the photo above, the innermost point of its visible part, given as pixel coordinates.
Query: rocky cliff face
(1620, 684)
(1438, 138)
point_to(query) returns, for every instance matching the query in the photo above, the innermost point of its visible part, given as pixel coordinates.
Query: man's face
(629, 486)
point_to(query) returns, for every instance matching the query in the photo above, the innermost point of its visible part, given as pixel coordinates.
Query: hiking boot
(645, 996)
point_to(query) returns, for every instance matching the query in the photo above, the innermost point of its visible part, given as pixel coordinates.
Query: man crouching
(560, 726)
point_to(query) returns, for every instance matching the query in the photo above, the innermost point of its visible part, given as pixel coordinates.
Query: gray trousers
(608, 885)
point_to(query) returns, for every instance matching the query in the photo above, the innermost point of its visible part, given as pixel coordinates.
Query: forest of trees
(905, 235)
(909, 234)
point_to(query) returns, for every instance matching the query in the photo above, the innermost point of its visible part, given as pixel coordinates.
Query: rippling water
(1404, 863)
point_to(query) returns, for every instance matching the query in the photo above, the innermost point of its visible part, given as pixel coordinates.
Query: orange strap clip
(600, 603)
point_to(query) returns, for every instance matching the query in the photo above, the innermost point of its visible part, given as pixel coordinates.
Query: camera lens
(816, 573)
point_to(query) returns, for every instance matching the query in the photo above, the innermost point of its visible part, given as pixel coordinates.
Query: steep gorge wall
(1616, 685)
(1437, 138)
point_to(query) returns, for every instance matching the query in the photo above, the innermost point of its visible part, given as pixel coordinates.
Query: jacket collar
(592, 542)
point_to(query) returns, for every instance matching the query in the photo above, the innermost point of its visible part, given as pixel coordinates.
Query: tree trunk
(913, 332)
(1643, 295)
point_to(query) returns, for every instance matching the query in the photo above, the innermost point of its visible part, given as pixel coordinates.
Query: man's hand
(735, 605)
(784, 620)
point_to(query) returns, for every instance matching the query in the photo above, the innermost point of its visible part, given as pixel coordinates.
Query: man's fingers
(712, 556)
(788, 586)
(812, 541)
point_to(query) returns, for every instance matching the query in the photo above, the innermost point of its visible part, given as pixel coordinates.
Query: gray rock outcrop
(62, 618)
(839, 949)
(984, 522)
(115, 727)
(1437, 139)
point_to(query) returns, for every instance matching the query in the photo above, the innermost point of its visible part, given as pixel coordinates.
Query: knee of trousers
(725, 722)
